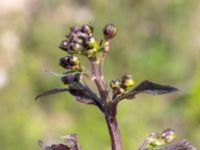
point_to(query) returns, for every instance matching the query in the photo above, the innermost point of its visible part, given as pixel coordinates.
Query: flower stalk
(81, 41)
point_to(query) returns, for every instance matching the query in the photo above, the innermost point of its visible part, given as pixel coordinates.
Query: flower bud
(91, 43)
(127, 81)
(74, 29)
(77, 47)
(91, 52)
(88, 29)
(67, 79)
(154, 140)
(115, 84)
(109, 31)
(70, 62)
(78, 77)
(116, 88)
(168, 135)
(64, 45)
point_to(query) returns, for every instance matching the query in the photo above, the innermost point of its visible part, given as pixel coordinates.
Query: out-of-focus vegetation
(157, 40)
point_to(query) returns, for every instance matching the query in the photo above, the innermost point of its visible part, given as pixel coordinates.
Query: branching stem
(108, 109)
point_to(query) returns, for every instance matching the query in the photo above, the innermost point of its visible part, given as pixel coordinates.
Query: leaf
(84, 94)
(153, 88)
(149, 88)
(81, 92)
(50, 92)
(81, 96)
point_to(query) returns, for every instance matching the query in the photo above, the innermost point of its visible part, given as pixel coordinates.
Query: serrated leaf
(149, 88)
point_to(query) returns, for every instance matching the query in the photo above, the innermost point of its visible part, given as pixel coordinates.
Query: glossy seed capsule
(109, 31)
(78, 77)
(77, 47)
(73, 60)
(127, 81)
(88, 29)
(91, 43)
(67, 79)
(64, 45)
(168, 135)
(115, 84)
(70, 62)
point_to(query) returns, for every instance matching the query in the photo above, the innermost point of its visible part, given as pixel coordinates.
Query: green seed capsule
(115, 84)
(92, 43)
(155, 142)
(109, 31)
(127, 81)
(92, 52)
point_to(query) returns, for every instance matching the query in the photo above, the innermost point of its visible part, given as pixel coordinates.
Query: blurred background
(156, 40)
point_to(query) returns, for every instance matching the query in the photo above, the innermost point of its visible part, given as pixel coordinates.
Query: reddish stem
(114, 132)
(108, 108)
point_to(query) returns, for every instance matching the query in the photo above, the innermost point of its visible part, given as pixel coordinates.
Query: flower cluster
(80, 40)
(120, 86)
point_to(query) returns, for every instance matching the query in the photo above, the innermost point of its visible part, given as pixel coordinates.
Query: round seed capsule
(154, 140)
(70, 62)
(73, 60)
(91, 43)
(127, 81)
(91, 52)
(74, 29)
(77, 47)
(115, 84)
(67, 79)
(78, 77)
(109, 31)
(88, 29)
(64, 45)
(168, 135)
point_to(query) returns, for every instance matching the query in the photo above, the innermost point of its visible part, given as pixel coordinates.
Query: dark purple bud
(88, 29)
(64, 45)
(78, 77)
(70, 62)
(109, 31)
(75, 29)
(67, 79)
